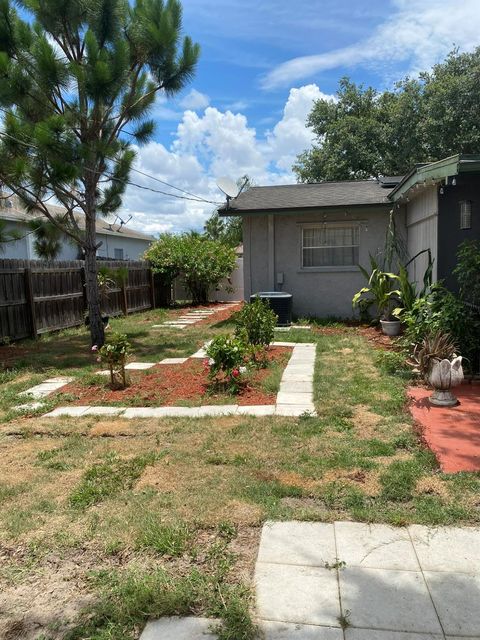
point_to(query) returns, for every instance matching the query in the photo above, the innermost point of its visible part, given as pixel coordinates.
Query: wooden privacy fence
(36, 297)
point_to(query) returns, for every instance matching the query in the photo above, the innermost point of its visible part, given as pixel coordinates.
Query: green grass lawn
(145, 518)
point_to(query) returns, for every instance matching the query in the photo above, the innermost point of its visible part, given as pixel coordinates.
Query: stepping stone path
(192, 317)
(40, 391)
(295, 396)
(356, 581)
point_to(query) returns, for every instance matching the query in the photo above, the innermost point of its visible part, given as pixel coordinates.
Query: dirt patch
(172, 385)
(53, 595)
(431, 485)
(365, 422)
(367, 481)
(293, 479)
(242, 513)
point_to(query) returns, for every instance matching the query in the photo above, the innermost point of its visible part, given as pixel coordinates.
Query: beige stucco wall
(422, 230)
(272, 246)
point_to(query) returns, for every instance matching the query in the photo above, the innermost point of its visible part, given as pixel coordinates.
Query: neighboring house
(308, 239)
(117, 243)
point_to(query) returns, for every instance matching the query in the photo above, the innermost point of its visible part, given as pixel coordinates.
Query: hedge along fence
(37, 297)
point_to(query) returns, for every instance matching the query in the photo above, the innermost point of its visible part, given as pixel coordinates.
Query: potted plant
(436, 360)
(380, 293)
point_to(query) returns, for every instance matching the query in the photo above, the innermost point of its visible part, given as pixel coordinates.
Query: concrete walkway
(354, 581)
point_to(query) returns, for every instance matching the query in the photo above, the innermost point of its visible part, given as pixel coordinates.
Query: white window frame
(330, 224)
(119, 249)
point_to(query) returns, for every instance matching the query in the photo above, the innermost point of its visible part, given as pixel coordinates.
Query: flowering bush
(114, 354)
(226, 360)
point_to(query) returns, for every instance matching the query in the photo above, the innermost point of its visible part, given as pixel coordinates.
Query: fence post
(31, 301)
(84, 288)
(152, 288)
(124, 298)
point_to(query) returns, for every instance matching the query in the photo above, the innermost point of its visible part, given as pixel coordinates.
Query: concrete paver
(294, 410)
(256, 410)
(371, 634)
(387, 599)
(295, 386)
(103, 411)
(290, 593)
(28, 406)
(66, 411)
(375, 546)
(188, 628)
(173, 360)
(296, 397)
(455, 549)
(301, 543)
(139, 366)
(289, 631)
(457, 600)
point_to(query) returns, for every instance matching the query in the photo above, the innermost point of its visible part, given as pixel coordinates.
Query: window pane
(330, 257)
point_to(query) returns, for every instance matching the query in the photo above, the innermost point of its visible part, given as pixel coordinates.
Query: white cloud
(210, 145)
(419, 33)
(195, 100)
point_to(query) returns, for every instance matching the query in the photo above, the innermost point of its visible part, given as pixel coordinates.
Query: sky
(263, 64)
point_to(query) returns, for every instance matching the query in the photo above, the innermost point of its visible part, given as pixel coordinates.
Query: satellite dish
(229, 187)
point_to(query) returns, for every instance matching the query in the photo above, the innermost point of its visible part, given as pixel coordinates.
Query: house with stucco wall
(117, 242)
(308, 239)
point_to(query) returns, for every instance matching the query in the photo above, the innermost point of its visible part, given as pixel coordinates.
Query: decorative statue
(443, 376)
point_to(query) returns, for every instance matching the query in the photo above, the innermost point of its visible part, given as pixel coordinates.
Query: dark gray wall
(450, 236)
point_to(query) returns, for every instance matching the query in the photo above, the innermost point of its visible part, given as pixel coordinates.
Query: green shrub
(202, 263)
(256, 323)
(114, 354)
(226, 361)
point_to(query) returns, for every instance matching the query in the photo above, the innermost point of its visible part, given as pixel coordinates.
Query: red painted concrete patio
(453, 433)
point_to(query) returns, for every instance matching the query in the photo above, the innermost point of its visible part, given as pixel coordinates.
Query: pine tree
(77, 80)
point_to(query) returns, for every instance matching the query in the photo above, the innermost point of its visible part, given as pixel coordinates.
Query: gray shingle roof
(317, 195)
(18, 213)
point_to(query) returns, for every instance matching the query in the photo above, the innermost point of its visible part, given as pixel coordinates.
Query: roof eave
(294, 210)
(436, 171)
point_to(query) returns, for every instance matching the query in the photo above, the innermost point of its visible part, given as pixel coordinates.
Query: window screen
(330, 246)
(118, 254)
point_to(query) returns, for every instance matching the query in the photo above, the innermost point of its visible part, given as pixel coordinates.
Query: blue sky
(263, 64)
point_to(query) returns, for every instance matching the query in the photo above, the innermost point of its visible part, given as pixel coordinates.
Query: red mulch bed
(452, 433)
(177, 384)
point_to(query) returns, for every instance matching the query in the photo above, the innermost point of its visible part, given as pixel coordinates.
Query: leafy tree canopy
(366, 133)
(201, 263)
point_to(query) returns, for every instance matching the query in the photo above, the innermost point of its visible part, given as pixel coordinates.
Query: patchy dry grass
(143, 518)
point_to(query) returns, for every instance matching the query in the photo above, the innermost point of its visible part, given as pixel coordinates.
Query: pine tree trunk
(97, 333)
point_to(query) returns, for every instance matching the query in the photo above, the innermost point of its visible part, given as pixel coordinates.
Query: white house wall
(272, 251)
(422, 231)
(23, 249)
